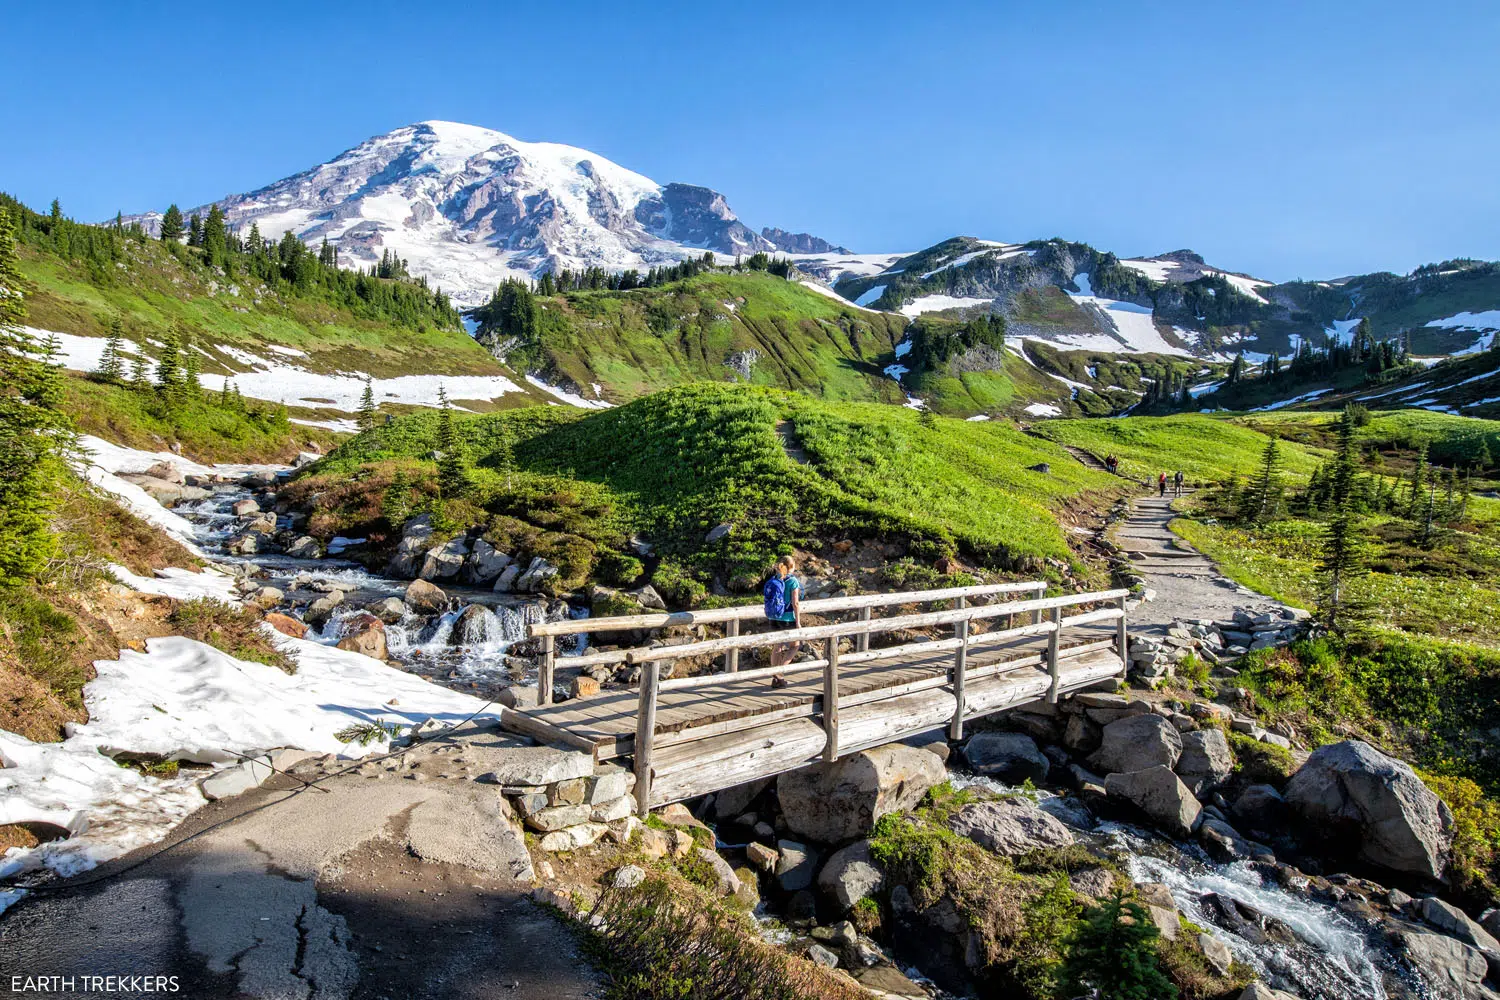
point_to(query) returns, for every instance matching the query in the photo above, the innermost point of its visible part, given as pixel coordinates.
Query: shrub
(1114, 952)
(1261, 763)
(236, 631)
(1476, 833)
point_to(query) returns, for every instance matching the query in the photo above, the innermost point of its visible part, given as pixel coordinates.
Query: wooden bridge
(687, 736)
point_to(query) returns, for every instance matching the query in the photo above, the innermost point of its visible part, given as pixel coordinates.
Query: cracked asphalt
(372, 890)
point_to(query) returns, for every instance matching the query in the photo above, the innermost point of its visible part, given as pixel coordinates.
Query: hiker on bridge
(783, 604)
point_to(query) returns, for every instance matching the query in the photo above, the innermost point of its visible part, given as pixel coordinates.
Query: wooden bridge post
(732, 656)
(830, 700)
(1036, 614)
(544, 670)
(645, 733)
(1053, 667)
(862, 641)
(960, 664)
(1123, 638)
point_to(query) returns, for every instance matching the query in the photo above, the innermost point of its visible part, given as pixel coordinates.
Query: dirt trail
(1186, 582)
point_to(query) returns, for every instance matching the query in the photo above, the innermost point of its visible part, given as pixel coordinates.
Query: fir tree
(35, 436)
(1415, 483)
(215, 238)
(171, 224)
(453, 477)
(112, 365)
(367, 407)
(1340, 556)
(138, 364)
(1113, 952)
(189, 390)
(1264, 496)
(167, 375)
(195, 232)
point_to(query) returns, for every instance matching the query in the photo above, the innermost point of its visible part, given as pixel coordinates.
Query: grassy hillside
(1204, 448)
(785, 470)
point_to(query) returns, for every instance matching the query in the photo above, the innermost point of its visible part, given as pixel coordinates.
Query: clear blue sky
(1306, 139)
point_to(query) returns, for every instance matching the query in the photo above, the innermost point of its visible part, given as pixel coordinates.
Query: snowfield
(932, 303)
(1486, 323)
(1134, 325)
(1043, 410)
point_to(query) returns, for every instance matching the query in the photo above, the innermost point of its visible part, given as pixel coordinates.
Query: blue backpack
(774, 593)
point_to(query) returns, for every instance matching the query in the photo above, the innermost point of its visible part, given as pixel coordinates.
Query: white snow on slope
(1156, 270)
(283, 382)
(571, 398)
(831, 267)
(1043, 410)
(869, 295)
(822, 289)
(1133, 323)
(1295, 399)
(932, 303)
(181, 584)
(1486, 323)
(343, 425)
(1340, 331)
(1248, 286)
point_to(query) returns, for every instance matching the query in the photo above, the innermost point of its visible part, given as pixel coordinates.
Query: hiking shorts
(781, 624)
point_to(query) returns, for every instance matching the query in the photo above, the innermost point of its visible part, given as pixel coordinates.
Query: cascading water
(1332, 956)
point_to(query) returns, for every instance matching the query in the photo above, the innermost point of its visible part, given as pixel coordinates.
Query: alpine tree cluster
(36, 437)
(935, 341)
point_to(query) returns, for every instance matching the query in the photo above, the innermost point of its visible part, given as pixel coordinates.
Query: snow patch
(1134, 324)
(932, 303)
(1043, 410)
(571, 398)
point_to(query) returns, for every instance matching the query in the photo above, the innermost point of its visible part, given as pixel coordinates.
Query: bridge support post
(862, 641)
(960, 664)
(645, 733)
(1053, 667)
(1122, 637)
(732, 657)
(544, 670)
(1036, 615)
(830, 700)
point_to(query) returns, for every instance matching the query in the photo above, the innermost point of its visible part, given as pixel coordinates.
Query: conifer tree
(171, 224)
(1113, 954)
(189, 390)
(215, 238)
(138, 364)
(1415, 483)
(453, 478)
(1264, 496)
(1340, 557)
(167, 375)
(112, 365)
(367, 407)
(35, 436)
(195, 232)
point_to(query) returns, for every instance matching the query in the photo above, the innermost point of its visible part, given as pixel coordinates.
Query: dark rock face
(1010, 757)
(698, 216)
(1353, 793)
(800, 242)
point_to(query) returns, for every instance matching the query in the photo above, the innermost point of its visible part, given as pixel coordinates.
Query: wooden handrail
(740, 612)
(815, 632)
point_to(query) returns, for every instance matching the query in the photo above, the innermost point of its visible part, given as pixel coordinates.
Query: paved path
(1186, 582)
(378, 889)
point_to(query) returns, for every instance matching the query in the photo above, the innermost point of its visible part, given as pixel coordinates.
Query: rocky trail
(1185, 584)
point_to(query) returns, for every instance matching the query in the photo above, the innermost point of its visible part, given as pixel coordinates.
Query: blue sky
(1307, 139)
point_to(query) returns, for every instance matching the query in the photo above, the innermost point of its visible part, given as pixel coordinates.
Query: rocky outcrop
(799, 242)
(1352, 793)
(850, 875)
(1206, 762)
(1137, 743)
(1159, 794)
(832, 803)
(1009, 757)
(1452, 967)
(365, 634)
(1009, 826)
(426, 598)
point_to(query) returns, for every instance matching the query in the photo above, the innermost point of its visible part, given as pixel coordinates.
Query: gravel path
(1186, 582)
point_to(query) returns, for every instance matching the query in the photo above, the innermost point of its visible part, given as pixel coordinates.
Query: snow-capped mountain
(466, 206)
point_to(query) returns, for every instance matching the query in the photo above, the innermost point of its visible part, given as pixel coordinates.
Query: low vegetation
(236, 631)
(1204, 448)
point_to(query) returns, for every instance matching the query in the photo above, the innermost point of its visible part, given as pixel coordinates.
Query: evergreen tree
(1264, 496)
(138, 379)
(367, 406)
(171, 224)
(1113, 954)
(35, 436)
(215, 238)
(195, 232)
(189, 390)
(453, 477)
(1415, 483)
(1340, 556)
(1236, 369)
(112, 365)
(167, 375)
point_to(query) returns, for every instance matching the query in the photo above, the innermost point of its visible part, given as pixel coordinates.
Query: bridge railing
(651, 658)
(730, 618)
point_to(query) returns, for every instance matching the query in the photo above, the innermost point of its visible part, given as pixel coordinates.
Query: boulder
(573, 837)
(796, 864)
(728, 881)
(235, 779)
(319, 611)
(1222, 841)
(425, 598)
(1010, 826)
(305, 547)
(717, 532)
(264, 597)
(167, 471)
(850, 875)
(388, 609)
(1216, 952)
(485, 563)
(244, 508)
(1260, 809)
(1352, 793)
(1080, 735)
(286, 624)
(1008, 757)
(1160, 795)
(444, 561)
(735, 799)
(1260, 991)
(1206, 761)
(833, 803)
(365, 634)
(761, 856)
(246, 543)
(535, 577)
(1452, 968)
(1456, 923)
(506, 582)
(648, 598)
(1136, 743)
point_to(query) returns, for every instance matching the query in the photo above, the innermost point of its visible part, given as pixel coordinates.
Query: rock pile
(1218, 643)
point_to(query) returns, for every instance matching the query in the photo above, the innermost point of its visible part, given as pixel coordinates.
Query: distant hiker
(1161, 484)
(783, 603)
(1113, 464)
(1177, 482)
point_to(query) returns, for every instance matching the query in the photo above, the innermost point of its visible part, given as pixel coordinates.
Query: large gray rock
(485, 563)
(444, 561)
(1352, 793)
(1137, 743)
(796, 864)
(1261, 810)
(1456, 923)
(416, 536)
(426, 598)
(536, 576)
(1008, 757)
(1206, 761)
(319, 611)
(1010, 826)
(1451, 968)
(305, 547)
(1260, 991)
(734, 800)
(729, 882)
(832, 803)
(850, 875)
(1160, 795)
